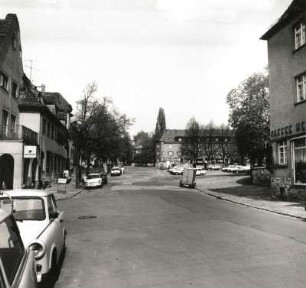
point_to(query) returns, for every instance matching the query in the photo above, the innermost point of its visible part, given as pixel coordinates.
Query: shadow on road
(49, 282)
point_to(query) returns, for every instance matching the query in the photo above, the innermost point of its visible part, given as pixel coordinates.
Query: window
(170, 146)
(282, 153)
(51, 205)
(300, 161)
(15, 90)
(11, 247)
(13, 124)
(170, 153)
(301, 87)
(299, 34)
(29, 209)
(4, 127)
(4, 81)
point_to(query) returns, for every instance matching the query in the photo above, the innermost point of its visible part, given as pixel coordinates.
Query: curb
(248, 205)
(70, 196)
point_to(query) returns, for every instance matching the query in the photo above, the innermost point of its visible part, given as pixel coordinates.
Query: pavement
(227, 187)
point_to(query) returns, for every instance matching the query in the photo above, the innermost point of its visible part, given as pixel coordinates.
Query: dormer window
(299, 34)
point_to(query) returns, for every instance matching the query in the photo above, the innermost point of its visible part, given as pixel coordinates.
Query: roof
(26, 193)
(170, 135)
(9, 35)
(294, 10)
(5, 27)
(57, 99)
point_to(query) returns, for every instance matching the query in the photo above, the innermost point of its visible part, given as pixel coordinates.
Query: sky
(182, 55)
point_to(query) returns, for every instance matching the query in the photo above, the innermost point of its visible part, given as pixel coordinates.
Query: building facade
(286, 41)
(213, 146)
(48, 115)
(34, 138)
(13, 136)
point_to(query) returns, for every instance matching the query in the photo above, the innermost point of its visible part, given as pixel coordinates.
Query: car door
(57, 224)
(17, 266)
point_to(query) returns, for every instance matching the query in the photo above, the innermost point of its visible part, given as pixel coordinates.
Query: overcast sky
(182, 55)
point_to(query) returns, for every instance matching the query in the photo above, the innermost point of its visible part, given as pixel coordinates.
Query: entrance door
(6, 171)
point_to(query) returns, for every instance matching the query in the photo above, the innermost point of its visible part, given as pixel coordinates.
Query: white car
(41, 224)
(116, 171)
(93, 180)
(176, 170)
(200, 171)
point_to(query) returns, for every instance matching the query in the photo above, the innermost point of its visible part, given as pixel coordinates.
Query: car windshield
(29, 209)
(93, 176)
(116, 168)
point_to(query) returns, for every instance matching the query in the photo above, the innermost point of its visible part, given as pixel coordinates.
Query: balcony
(18, 132)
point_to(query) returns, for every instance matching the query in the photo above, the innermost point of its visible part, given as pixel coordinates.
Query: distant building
(287, 80)
(214, 146)
(14, 137)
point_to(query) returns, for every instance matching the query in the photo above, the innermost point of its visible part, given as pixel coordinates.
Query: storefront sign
(29, 151)
(289, 130)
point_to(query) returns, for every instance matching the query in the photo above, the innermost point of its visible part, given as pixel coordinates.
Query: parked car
(177, 170)
(17, 264)
(229, 168)
(40, 224)
(93, 180)
(116, 171)
(241, 169)
(200, 171)
(214, 167)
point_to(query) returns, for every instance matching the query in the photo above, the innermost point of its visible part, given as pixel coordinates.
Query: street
(143, 230)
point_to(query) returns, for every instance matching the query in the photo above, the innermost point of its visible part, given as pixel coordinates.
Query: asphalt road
(148, 232)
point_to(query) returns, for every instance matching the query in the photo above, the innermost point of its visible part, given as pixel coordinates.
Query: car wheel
(52, 275)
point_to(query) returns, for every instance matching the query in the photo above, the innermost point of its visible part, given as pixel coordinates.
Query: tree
(99, 130)
(145, 145)
(249, 116)
(159, 130)
(80, 127)
(191, 148)
(160, 124)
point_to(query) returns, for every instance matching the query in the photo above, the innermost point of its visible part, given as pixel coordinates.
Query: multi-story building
(48, 114)
(286, 41)
(14, 137)
(213, 146)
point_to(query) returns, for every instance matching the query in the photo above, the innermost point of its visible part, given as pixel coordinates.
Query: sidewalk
(65, 191)
(236, 189)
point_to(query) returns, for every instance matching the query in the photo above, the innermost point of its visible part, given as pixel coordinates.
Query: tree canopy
(249, 116)
(99, 130)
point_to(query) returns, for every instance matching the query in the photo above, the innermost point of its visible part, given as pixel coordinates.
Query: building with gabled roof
(13, 135)
(214, 146)
(286, 41)
(48, 114)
